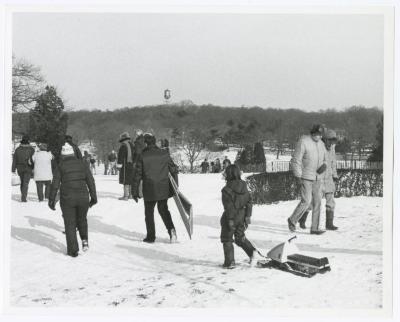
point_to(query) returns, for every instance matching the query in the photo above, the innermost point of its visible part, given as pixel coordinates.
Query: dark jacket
(152, 168)
(112, 157)
(22, 159)
(237, 201)
(74, 179)
(127, 170)
(139, 147)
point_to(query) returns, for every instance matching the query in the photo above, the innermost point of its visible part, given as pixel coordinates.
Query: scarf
(129, 149)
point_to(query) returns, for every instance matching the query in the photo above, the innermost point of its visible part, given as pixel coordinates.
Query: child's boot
(229, 254)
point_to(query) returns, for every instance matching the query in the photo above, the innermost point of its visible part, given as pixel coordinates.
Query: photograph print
(200, 160)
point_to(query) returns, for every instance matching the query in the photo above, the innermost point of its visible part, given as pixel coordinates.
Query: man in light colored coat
(308, 165)
(328, 181)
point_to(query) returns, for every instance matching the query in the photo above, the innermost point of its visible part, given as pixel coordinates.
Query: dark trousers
(237, 235)
(75, 216)
(39, 189)
(25, 177)
(162, 207)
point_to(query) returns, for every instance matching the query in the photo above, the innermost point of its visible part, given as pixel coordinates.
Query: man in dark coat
(112, 162)
(126, 160)
(153, 168)
(23, 164)
(74, 179)
(77, 152)
(204, 166)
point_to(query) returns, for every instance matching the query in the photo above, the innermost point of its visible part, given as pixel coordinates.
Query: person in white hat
(75, 181)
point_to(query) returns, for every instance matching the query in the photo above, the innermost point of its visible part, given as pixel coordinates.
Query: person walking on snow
(236, 217)
(328, 181)
(112, 162)
(23, 164)
(152, 169)
(204, 166)
(75, 181)
(308, 165)
(125, 164)
(43, 171)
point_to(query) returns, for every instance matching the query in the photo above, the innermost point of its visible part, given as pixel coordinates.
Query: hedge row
(267, 188)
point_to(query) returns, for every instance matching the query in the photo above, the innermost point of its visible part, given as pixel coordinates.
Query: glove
(135, 198)
(231, 224)
(52, 204)
(247, 220)
(321, 169)
(92, 202)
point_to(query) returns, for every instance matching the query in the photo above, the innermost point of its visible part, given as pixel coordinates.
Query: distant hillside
(280, 127)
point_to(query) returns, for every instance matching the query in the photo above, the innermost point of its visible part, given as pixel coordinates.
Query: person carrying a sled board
(237, 204)
(308, 165)
(152, 169)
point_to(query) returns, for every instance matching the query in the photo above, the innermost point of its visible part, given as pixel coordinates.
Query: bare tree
(193, 146)
(27, 85)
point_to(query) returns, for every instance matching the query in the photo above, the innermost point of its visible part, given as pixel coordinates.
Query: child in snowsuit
(236, 217)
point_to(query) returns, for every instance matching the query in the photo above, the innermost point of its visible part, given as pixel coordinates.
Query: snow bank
(120, 270)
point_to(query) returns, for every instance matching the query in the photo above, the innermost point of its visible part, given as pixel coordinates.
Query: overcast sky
(109, 61)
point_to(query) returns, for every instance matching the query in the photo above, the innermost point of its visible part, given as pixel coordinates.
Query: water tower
(167, 96)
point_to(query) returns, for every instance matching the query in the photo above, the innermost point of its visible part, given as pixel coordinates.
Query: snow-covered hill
(120, 270)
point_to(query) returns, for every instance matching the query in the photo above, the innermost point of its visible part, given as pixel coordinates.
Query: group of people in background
(144, 172)
(214, 166)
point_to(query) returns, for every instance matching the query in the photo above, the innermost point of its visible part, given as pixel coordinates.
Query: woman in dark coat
(125, 163)
(236, 217)
(75, 181)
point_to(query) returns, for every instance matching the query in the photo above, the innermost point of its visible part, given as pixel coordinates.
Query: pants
(25, 177)
(162, 207)
(237, 235)
(330, 201)
(39, 189)
(75, 216)
(310, 192)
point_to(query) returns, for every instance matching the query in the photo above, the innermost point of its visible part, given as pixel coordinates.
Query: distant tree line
(233, 126)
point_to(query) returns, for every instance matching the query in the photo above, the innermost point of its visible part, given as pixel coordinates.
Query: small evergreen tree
(48, 122)
(259, 155)
(377, 153)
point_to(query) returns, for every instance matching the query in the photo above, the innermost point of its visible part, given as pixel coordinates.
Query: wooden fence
(284, 166)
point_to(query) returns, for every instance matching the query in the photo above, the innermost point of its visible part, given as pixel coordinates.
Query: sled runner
(184, 206)
(286, 256)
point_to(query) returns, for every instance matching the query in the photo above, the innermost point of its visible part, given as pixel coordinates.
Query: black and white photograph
(236, 159)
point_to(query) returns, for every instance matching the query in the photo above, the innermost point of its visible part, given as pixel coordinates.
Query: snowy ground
(121, 270)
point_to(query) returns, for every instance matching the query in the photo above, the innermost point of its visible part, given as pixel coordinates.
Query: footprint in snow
(142, 296)
(169, 284)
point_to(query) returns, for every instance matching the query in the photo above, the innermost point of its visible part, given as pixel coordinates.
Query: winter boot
(302, 220)
(85, 245)
(317, 232)
(292, 226)
(126, 193)
(329, 220)
(229, 254)
(172, 236)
